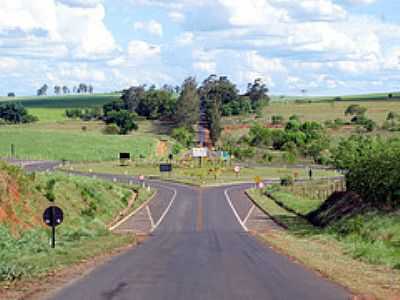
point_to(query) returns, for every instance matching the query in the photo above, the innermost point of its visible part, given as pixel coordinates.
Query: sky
(325, 47)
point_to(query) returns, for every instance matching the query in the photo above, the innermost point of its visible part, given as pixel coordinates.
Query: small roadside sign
(261, 185)
(236, 169)
(165, 168)
(124, 158)
(200, 152)
(141, 177)
(52, 217)
(258, 179)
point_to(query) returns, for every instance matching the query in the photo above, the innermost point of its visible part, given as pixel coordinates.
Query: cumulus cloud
(50, 28)
(152, 27)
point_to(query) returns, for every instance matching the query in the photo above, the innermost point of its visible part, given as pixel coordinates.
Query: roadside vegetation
(89, 206)
(362, 222)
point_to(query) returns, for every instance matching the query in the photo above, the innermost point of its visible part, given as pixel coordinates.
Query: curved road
(201, 251)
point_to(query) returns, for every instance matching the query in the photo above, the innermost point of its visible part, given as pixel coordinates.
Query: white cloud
(362, 1)
(81, 3)
(50, 28)
(176, 16)
(142, 49)
(153, 27)
(8, 64)
(185, 39)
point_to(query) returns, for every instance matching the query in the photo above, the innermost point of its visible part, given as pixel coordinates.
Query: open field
(53, 144)
(331, 255)
(377, 111)
(196, 175)
(360, 97)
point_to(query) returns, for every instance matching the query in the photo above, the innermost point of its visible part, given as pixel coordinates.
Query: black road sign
(52, 217)
(124, 156)
(165, 167)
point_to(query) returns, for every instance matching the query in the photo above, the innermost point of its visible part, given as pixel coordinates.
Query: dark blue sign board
(52, 217)
(165, 168)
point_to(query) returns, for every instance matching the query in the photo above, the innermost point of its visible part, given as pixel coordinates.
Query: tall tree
(57, 90)
(133, 96)
(90, 89)
(65, 89)
(258, 94)
(82, 88)
(188, 104)
(43, 90)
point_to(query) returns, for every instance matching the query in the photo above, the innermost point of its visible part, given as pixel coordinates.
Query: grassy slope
(89, 205)
(360, 261)
(66, 140)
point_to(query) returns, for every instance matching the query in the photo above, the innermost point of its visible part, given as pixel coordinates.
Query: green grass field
(72, 145)
(69, 101)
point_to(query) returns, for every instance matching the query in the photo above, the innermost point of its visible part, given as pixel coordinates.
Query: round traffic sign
(141, 177)
(237, 169)
(261, 185)
(53, 216)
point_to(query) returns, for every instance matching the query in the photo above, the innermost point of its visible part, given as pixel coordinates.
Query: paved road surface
(201, 251)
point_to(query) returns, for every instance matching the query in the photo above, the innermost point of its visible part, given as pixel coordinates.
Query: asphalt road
(201, 251)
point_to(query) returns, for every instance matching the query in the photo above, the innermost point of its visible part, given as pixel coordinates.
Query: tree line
(82, 88)
(181, 105)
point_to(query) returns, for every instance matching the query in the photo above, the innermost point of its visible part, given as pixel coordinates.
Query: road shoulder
(325, 256)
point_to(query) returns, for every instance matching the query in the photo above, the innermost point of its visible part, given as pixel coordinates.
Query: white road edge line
(150, 217)
(112, 228)
(166, 210)
(248, 214)
(234, 210)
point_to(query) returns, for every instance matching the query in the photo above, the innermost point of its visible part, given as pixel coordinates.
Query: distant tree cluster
(86, 114)
(13, 113)
(222, 98)
(82, 88)
(181, 105)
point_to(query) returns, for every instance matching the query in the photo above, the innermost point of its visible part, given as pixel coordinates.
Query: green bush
(183, 136)
(111, 129)
(277, 120)
(372, 168)
(287, 180)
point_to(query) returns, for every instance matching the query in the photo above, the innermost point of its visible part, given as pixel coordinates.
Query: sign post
(166, 168)
(141, 179)
(124, 159)
(52, 217)
(237, 170)
(12, 151)
(200, 153)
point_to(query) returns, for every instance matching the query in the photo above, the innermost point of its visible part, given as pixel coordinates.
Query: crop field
(322, 111)
(62, 102)
(362, 97)
(72, 145)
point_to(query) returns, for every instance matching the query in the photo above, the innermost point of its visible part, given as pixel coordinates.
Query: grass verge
(193, 175)
(89, 206)
(327, 253)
